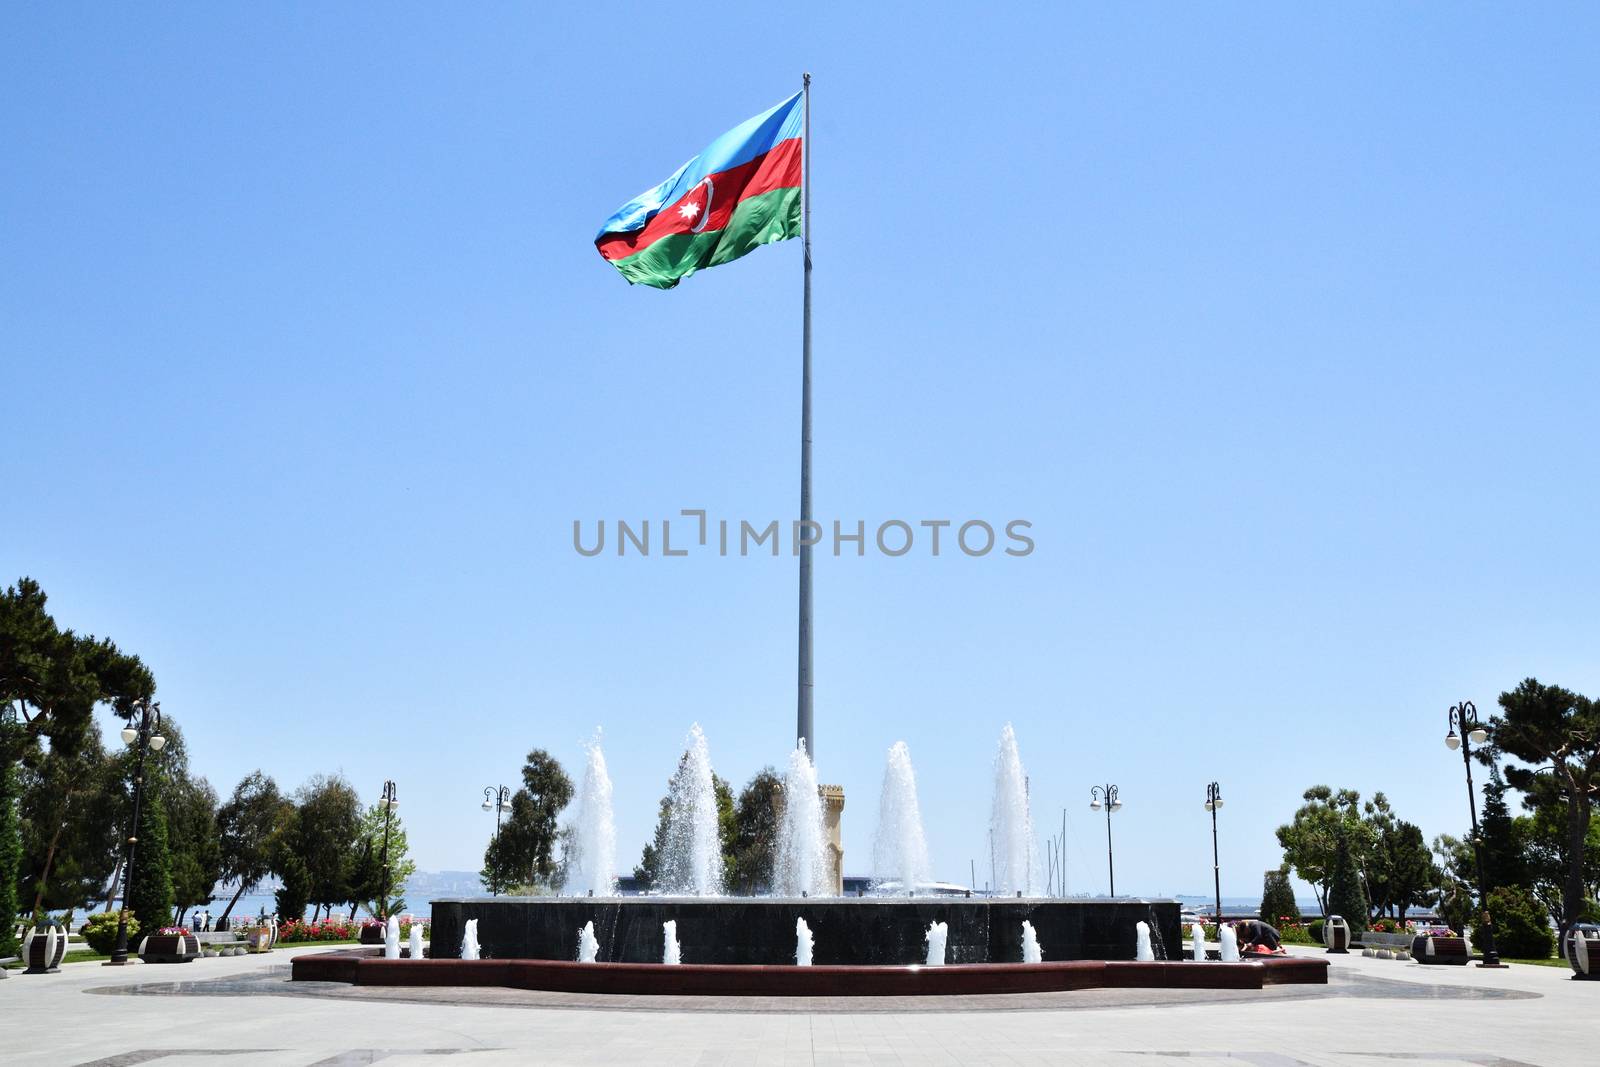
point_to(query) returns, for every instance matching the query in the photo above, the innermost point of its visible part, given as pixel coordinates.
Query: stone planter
(372, 934)
(1431, 948)
(1582, 949)
(169, 948)
(44, 948)
(257, 938)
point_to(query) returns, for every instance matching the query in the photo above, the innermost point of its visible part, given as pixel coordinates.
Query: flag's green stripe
(757, 221)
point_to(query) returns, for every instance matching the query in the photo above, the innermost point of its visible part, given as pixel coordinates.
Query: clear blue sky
(1278, 324)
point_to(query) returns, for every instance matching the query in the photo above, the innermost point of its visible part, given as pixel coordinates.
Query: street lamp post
(1465, 716)
(1105, 796)
(1213, 802)
(499, 799)
(389, 804)
(146, 738)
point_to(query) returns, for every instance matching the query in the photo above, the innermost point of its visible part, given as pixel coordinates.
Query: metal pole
(1111, 860)
(804, 727)
(1213, 795)
(1466, 714)
(119, 954)
(388, 817)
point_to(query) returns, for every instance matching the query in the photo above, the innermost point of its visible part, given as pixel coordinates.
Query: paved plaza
(245, 1013)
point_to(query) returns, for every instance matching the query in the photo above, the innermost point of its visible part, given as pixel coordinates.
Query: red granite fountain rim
(367, 967)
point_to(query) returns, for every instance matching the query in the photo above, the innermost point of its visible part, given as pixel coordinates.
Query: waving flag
(741, 191)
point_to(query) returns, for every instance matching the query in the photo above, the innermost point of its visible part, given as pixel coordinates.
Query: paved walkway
(243, 1012)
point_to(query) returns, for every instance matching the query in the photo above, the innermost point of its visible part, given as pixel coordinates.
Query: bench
(6, 961)
(1434, 949)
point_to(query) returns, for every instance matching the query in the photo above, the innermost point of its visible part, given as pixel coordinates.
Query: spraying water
(800, 864)
(592, 866)
(1197, 933)
(802, 943)
(671, 952)
(1010, 822)
(469, 941)
(1142, 950)
(416, 940)
(691, 863)
(1230, 945)
(1031, 953)
(900, 850)
(588, 944)
(391, 938)
(938, 934)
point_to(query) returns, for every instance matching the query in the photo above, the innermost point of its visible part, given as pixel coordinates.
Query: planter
(1431, 948)
(169, 948)
(1582, 949)
(43, 948)
(257, 938)
(372, 934)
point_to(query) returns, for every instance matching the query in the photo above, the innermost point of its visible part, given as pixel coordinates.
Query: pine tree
(10, 849)
(1505, 862)
(1277, 898)
(1346, 895)
(150, 894)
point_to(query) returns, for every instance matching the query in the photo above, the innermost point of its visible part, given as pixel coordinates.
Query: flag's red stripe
(778, 168)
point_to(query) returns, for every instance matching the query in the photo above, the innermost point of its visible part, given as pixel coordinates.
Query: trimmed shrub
(100, 932)
(1314, 931)
(1521, 928)
(1278, 907)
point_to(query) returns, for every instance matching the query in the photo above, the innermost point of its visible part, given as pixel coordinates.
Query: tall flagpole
(804, 727)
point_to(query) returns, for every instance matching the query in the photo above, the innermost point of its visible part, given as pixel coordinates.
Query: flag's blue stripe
(739, 145)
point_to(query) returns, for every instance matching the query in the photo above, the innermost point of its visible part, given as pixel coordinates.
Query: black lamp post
(1213, 802)
(498, 798)
(1465, 716)
(141, 732)
(1105, 796)
(389, 804)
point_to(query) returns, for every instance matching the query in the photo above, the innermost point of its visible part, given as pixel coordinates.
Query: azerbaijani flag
(741, 191)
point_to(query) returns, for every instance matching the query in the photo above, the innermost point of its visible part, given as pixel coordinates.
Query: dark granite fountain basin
(852, 931)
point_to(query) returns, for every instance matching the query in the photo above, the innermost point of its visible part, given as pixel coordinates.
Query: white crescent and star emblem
(693, 207)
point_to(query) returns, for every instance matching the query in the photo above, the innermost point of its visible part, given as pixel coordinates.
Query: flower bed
(299, 931)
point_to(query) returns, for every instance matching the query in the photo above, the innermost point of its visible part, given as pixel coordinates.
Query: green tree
(1399, 868)
(368, 880)
(661, 867)
(50, 680)
(1277, 898)
(521, 853)
(755, 832)
(191, 810)
(74, 819)
(1501, 838)
(1311, 839)
(150, 895)
(1457, 876)
(326, 837)
(293, 895)
(1346, 895)
(10, 840)
(1556, 731)
(246, 822)
(1521, 926)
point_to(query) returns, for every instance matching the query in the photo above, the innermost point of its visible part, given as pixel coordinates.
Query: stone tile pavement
(242, 1012)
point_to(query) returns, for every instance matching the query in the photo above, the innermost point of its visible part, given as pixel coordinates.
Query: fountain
(588, 944)
(1230, 944)
(592, 863)
(800, 866)
(1010, 822)
(1142, 950)
(938, 934)
(416, 939)
(469, 941)
(802, 943)
(391, 938)
(691, 863)
(671, 951)
(1197, 934)
(899, 849)
(1031, 953)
